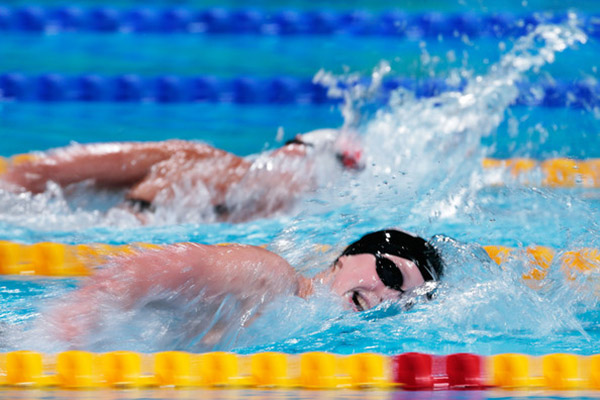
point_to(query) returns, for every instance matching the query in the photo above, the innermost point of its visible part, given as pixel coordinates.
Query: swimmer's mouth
(357, 302)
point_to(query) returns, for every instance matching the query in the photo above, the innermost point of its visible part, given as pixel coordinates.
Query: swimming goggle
(348, 159)
(403, 245)
(389, 272)
(297, 140)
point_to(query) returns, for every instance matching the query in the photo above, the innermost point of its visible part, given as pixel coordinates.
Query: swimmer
(154, 173)
(381, 266)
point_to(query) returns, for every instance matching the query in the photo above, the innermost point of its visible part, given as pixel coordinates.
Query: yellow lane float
(57, 259)
(314, 370)
(556, 172)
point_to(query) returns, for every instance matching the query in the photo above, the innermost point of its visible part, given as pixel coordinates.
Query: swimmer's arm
(189, 270)
(108, 164)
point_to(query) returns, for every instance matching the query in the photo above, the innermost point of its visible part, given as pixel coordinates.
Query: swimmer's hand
(110, 164)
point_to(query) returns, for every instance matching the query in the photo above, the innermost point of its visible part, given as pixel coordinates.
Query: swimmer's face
(356, 279)
(346, 147)
(349, 152)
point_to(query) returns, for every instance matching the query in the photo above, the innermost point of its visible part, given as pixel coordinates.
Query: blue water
(263, 55)
(535, 132)
(375, 5)
(241, 129)
(423, 174)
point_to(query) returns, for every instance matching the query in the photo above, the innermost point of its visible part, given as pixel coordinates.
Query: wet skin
(355, 278)
(154, 172)
(252, 275)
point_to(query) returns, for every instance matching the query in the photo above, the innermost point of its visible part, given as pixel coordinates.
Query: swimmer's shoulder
(250, 252)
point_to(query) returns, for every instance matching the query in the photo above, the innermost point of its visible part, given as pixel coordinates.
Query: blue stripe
(285, 22)
(276, 90)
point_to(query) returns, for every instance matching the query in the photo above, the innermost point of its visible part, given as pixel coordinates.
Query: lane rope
(53, 87)
(396, 23)
(555, 172)
(65, 260)
(311, 370)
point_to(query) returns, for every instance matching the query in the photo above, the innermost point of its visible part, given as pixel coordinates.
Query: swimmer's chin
(317, 288)
(321, 285)
(349, 305)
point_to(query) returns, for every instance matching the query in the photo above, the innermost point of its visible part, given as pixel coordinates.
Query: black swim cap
(401, 244)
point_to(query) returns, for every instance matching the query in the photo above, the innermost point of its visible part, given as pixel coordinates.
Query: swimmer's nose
(351, 159)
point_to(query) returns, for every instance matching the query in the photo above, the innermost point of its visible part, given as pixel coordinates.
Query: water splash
(428, 175)
(425, 177)
(480, 307)
(429, 143)
(431, 161)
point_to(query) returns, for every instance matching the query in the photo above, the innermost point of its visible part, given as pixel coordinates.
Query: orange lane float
(556, 172)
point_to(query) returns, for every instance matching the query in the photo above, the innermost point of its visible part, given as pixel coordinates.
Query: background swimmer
(154, 173)
(381, 266)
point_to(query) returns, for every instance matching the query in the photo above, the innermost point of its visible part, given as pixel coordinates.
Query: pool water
(536, 132)
(241, 129)
(440, 5)
(423, 174)
(297, 56)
